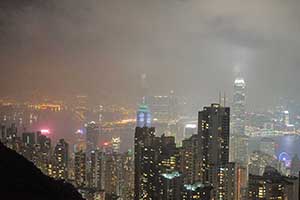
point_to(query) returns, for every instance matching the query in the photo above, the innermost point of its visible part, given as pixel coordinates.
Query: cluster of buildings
(212, 162)
(209, 158)
(99, 174)
(201, 168)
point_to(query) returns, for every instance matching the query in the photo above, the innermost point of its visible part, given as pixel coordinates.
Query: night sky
(195, 47)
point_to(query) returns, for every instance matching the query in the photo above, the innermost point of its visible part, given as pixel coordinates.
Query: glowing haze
(101, 47)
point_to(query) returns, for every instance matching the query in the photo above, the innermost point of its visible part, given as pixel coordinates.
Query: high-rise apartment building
(92, 134)
(61, 159)
(272, 185)
(80, 169)
(190, 160)
(215, 168)
(96, 171)
(145, 164)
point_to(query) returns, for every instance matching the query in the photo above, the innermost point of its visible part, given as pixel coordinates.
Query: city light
(191, 126)
(106, 143)
(80, 132)
(45, 131)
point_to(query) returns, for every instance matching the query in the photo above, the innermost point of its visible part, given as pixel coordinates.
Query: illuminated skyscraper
(143, 116)
(127, 192)
(238, 139)
(61, 159)
(145, 167)
(116, 142)
(154, 157)
(213, 131)
(96, 170)
(190, 160)
(239, 107)
(92, 133)
(80, 169)
(113, 166)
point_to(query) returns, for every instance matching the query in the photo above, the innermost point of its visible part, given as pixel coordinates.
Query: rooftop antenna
(220, 98)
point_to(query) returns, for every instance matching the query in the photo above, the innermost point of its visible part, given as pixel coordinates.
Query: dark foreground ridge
(20, 179)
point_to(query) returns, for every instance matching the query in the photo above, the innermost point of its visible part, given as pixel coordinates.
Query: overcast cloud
(195, 47)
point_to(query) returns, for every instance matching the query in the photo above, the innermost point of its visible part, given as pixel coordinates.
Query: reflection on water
(286, 147)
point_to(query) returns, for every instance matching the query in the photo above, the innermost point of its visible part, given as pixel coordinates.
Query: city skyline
(149, 99)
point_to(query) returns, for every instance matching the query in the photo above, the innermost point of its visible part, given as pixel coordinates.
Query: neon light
(285, 157)
(79, 131)
(45, 131)
(105, 143)
(190, 126)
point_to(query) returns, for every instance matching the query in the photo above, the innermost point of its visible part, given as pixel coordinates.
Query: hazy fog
(101, 47)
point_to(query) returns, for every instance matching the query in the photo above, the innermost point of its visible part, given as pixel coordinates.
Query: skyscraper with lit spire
(143, 116)
(239, 107)
(239, 140)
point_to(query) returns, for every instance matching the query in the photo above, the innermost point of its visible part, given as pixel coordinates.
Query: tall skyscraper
(61, 159)
(238, 139)
(96, 175)
(213, 131)
(239, 107)
(80, 169)
(127, 192)
(113, 166)
(143, 116)
(145, 165)
(92, 134)
(155, 159)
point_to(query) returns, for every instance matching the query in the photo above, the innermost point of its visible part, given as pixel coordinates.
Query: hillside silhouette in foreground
(20, 179)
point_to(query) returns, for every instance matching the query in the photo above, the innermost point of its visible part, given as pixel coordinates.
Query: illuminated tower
(213, 132)
(145, 167)
(239, 140)
(238, 108)
(143, 117)
(80, 169)
(61, 158)
(92, 133)
(116, 142)
(96, 170)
